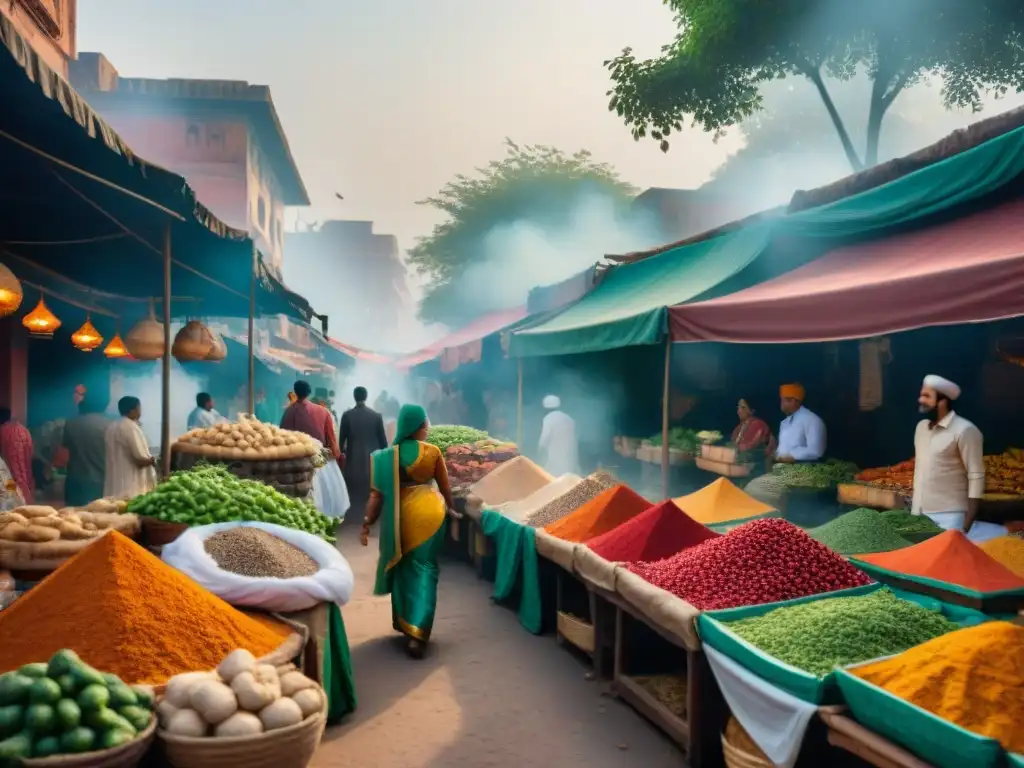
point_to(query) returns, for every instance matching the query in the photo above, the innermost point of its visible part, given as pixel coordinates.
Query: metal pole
(165, 410)
(665, 395)
(519, 408)
(252, 332)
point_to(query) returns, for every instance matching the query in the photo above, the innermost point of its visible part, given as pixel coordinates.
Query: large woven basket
(126, 756)
(291, 747)
(736, 750)
(157, 533)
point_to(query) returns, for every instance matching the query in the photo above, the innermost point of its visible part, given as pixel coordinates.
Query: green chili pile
(860, 532)
(819, 635)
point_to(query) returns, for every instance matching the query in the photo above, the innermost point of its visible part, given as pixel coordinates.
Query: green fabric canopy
(629, 306)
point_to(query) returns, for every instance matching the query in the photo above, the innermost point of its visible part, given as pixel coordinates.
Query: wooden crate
(584, 620)
(576, 631)
(677, 456)
(847, 734)
(861, 495)
(724, 468)
(724, 453)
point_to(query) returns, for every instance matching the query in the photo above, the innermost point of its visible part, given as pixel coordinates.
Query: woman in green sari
(412, 513)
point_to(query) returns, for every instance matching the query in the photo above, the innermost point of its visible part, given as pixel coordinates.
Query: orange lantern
(86, 338)
(116, 347)
(41, 322)
(11, 293)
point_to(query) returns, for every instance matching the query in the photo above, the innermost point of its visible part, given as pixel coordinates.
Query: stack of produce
(681, 439)
(659, 532)
(248, 439)
(66, 707)
(444, 436)
(605, 512)
(972, 677)
(38, 524)
(898, 477)
(763, 561)
(241, 698)
(821, 476)
(211, 494)
(862, 531)
(1007, 550)
(520, 509)
(469, 463)
(950, 558)
(819, 635)
(125, 611)
(258, 554)
(906, 524)
(721, 502)
(1004, 475)
(578, 495)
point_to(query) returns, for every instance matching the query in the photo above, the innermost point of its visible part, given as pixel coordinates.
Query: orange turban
(796, 391)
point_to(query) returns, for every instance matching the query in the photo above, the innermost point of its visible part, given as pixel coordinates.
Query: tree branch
(813, 73)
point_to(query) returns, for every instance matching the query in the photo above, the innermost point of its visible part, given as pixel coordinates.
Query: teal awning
(629, 307)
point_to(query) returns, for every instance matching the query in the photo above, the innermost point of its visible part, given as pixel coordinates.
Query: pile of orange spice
(122, 610)
(605, 512)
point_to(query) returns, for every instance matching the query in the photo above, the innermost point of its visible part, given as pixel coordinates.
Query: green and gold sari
(412, 528)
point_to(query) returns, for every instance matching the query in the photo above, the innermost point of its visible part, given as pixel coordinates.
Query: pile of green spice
(903, 522)
(819, 635)
(860, 532)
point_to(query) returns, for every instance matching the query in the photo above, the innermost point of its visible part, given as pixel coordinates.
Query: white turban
(551, 402)
(942, 386)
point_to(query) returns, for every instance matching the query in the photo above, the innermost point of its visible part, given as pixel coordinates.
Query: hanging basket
(218, 349)
(146, 340)
(11, 292)
(193, 342)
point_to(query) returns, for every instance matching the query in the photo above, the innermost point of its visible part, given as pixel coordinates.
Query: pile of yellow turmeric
(1008, 550)
(972, 677)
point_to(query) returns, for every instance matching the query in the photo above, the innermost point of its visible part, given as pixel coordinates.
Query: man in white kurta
(130, 466)
(949, 466)
(204, 415)
(558, 447)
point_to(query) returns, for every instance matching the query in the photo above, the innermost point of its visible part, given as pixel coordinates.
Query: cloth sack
(330, 494)
(775, 720)
(331, 584)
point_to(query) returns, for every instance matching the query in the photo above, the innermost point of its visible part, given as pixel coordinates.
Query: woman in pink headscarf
(16, 451)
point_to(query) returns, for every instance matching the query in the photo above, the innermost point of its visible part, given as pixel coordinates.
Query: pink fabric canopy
(964, 271)
(463, 342)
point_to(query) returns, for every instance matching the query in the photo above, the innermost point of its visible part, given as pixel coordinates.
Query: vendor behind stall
(752, 433)
(802, 432)
(949, 466)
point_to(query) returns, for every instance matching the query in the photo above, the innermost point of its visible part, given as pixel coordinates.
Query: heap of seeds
(580, 494)
(256, 553)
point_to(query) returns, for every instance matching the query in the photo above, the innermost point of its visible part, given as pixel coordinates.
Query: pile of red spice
(659, 532)
(763, 561)
(605, 512)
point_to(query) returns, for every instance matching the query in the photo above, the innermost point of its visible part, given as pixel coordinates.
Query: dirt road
(488, 693)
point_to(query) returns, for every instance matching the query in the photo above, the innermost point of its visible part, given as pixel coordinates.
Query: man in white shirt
(801, 433)
(949, 466)
(558, 447)
(130, 466)
(204, 414)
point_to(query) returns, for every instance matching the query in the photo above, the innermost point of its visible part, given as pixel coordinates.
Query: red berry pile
(763, 561)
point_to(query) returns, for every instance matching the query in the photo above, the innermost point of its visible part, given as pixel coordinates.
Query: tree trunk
(844, 137)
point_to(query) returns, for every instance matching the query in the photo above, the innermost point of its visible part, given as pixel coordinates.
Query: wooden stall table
(847, 734)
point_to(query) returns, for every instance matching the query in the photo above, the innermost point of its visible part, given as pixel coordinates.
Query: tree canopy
(537, 184)
(725, 52)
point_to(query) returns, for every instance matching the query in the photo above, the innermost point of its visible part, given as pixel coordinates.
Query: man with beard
(949, 466)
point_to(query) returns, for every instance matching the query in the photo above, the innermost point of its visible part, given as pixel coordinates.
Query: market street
(487, 694)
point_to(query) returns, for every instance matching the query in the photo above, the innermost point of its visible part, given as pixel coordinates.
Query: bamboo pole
(665, 396)
(252, 332)
(519, 407)
(165, 405)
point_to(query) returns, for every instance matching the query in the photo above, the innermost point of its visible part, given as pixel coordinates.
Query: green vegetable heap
(860, 532)
(820, 476)
(67, 707)
(211, 494)
(678, 437)
(822, 634)
(905, 523)
(444, 436)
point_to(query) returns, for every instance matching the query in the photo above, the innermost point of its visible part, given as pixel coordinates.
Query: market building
(49, 26)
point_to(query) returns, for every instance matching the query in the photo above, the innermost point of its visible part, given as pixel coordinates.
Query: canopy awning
(75, 199)
(357, 353)
(465, 343)
(966, 271)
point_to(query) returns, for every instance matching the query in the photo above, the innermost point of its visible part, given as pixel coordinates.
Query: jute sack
(662, 608)
(558, 551)
(594, 569)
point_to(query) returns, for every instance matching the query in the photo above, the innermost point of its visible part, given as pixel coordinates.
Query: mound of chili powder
(763, 561)
(659, 532)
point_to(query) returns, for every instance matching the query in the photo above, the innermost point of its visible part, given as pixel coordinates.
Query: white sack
(330, 494)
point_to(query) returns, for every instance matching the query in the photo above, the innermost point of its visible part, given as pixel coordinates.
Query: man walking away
(362, 433)
(329, 491)
(85, 441)
(558, 447)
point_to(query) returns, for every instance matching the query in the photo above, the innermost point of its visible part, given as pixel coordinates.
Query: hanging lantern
(116, 348)
(11, 293)
(86, 338)
(218, 349)
(192, 342)
(41, 322)
(146, 340)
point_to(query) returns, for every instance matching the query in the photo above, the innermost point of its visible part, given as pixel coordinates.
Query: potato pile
(241, 698)
(249, 439)
(36, 524)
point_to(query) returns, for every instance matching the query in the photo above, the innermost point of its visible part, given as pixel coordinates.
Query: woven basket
(291, 747)
(156, 533)
(126, 756)
(735, 757)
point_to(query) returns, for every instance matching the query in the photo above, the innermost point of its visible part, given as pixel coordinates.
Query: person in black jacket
(362, 433)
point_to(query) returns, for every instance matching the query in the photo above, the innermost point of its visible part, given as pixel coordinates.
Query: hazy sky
(386, 100)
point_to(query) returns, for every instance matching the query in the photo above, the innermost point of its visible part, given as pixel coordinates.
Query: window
(192, 135)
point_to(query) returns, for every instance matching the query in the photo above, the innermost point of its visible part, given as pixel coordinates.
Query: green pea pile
(819, 635)
(905, 523)
(860, 532)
